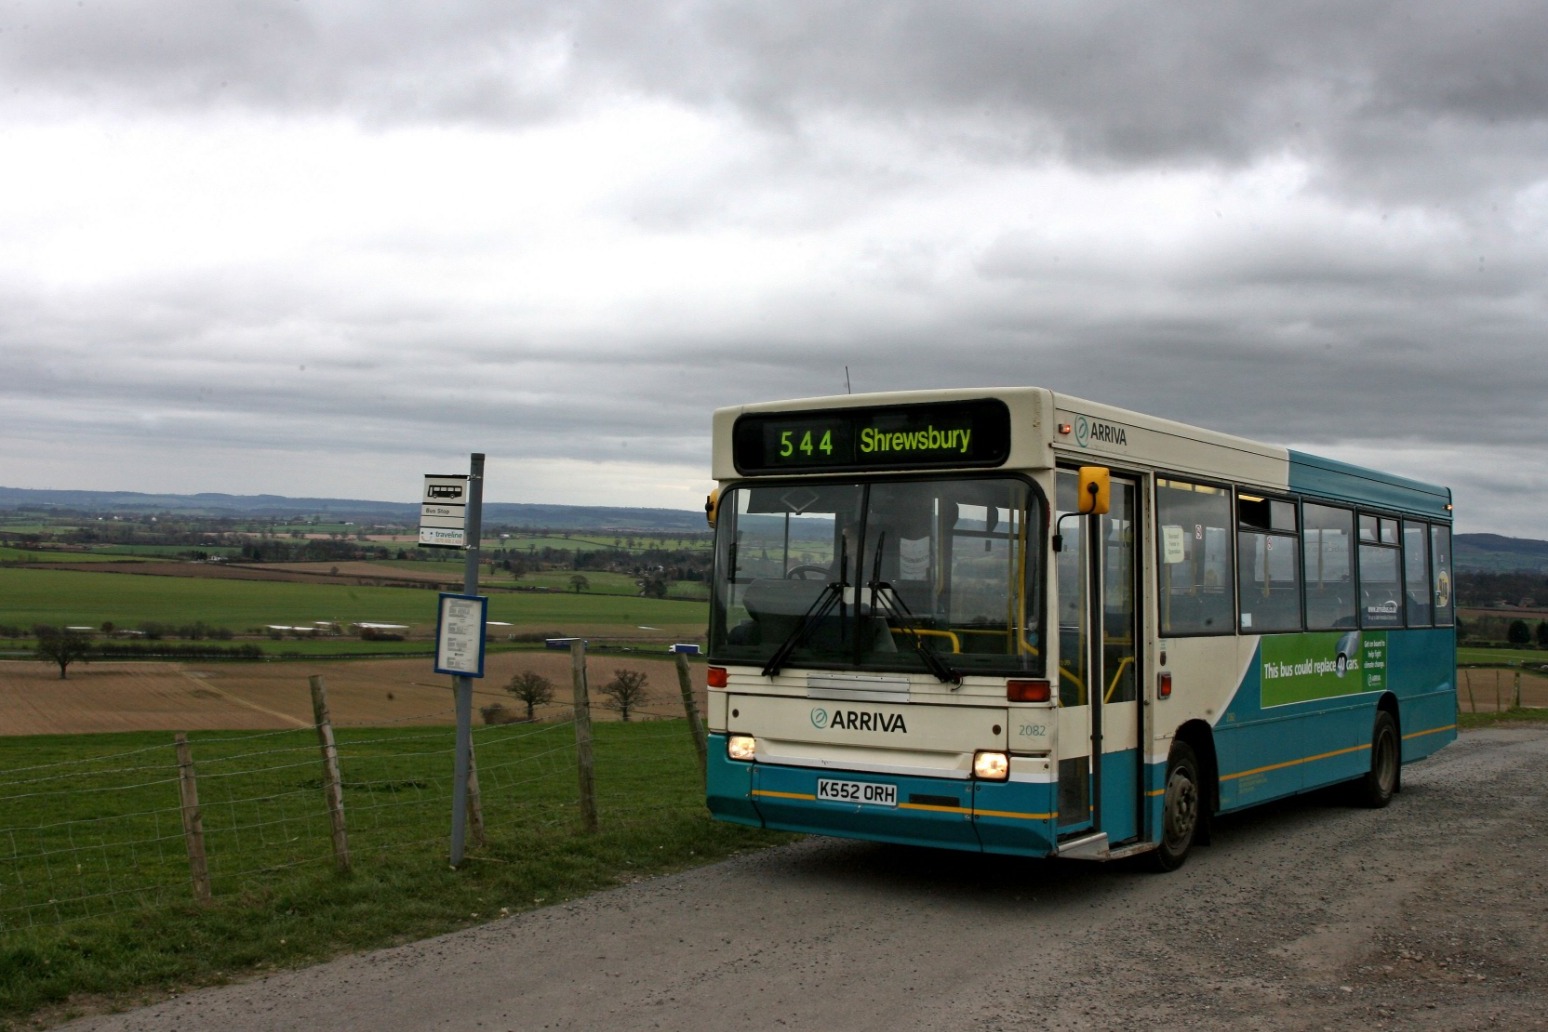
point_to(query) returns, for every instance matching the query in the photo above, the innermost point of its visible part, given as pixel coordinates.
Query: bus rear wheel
(1180, 809)
(1377, 787)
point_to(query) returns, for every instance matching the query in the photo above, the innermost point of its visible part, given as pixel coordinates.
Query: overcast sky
(323, 247)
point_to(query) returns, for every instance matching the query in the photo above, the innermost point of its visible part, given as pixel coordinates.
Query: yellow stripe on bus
(1295, 763)
(1015, 816)
(806, 797)
(1314, 759)
(933, 808)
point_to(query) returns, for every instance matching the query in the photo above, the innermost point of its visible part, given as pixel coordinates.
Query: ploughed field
(146, 696)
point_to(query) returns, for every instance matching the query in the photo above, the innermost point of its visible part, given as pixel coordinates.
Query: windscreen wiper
(886, 597)
(822, 605)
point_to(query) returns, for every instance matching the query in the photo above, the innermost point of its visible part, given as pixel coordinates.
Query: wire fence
(1497, 690)
(88, 828)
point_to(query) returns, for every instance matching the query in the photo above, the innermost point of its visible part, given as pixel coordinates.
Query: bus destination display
(971, 433)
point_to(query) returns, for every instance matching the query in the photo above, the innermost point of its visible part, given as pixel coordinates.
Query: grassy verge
(111, 922)
(1519, 716)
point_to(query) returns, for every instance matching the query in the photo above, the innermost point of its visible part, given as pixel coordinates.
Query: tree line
(627, 692)
(64, 646)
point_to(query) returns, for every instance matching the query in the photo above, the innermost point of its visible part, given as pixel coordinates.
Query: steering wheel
(807, 572)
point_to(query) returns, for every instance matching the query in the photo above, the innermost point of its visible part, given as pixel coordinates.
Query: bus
(1013, 621)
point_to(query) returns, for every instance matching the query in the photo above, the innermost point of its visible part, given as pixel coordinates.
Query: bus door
(1100, 768)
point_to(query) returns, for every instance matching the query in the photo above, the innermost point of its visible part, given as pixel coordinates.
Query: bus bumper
(1015, 817)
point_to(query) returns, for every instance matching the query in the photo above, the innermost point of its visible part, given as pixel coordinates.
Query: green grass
(22, 555)
(1521, 716)
(105, 906)
(1475, 656)
(100, 553)
(589, 541)
(79, 598)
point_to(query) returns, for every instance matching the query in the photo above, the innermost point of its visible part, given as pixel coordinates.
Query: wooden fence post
(584, 760)
(691, 710)
(333, 789)
(193, 820)
(475, 804)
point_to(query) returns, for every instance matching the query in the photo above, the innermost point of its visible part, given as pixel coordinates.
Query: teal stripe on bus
(1341, 481)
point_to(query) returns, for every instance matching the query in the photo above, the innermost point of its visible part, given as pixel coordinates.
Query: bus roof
(1048, 426)
(1341, 481)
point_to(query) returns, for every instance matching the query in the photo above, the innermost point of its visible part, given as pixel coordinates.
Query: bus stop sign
(443, 512)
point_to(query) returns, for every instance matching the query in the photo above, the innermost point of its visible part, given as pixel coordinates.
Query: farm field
(1492, 690)
(104, 697)
(238, 599)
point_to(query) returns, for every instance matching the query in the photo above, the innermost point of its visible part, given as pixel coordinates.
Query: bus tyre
(1376, 788)
(1180, 809)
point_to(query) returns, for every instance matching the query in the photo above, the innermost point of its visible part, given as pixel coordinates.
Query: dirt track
(1427, 916)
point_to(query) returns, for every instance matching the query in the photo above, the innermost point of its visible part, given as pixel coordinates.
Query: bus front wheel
(1376, 788)
(1180, 809)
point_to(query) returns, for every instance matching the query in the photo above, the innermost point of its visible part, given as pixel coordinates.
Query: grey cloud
(1112, 81)
(1393, 295)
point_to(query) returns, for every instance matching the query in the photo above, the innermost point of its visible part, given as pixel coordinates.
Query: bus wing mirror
(712, 507)
(1095, 490)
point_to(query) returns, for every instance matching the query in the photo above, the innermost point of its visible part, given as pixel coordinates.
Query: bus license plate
(874, 793)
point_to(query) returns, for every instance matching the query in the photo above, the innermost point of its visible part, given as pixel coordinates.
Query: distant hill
(557, 517)
(1484, 553)
(1492, 553)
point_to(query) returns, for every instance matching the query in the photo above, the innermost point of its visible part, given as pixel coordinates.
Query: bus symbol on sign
(447, 490)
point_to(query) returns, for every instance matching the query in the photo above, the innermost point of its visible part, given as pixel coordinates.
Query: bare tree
(61, 645)
(653, 584)
(533, 689)
(626, 691)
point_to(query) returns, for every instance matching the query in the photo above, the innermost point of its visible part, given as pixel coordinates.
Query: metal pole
(462, 685)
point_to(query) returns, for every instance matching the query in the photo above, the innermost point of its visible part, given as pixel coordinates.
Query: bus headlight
(991, 766)
(742, 747)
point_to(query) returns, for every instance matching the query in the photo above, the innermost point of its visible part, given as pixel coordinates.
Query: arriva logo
(1087, 431)
(858, 720)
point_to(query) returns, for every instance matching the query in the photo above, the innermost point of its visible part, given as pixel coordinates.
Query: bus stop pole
(462, 685)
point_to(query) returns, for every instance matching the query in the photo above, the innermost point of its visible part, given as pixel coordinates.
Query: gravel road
(1429, 915)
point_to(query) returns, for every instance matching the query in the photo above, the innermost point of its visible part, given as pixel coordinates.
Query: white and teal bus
(1014, 621)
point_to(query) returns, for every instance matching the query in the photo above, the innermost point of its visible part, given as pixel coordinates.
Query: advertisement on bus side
(1307, 667)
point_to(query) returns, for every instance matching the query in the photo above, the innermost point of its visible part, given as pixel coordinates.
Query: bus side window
(1327, 551)
(1269, 564)
(1440, 573)
(1198, 563)
(1416, 572)
(1381, 573)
